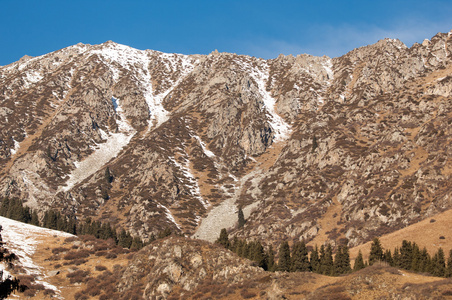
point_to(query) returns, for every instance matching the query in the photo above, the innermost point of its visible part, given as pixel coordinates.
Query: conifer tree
(315, 260)
(300, 260)
(426, 260)
(342, 261)
(270, 257)
(415, 258)
(326, 261)
(388, 257)
(284, 257)
(359, 262)
(258, 255)
(376, 252)
(448, 272)
(406, 255)
(125, 239)
(35, 219)
(223, 239)
(439, 264)
(137, 244)
(396, 258)
(241, 218)
(108, 176)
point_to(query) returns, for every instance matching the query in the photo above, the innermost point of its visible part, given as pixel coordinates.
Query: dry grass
(424, 233)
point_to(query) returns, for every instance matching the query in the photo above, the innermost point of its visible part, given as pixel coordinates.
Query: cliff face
(313, 148)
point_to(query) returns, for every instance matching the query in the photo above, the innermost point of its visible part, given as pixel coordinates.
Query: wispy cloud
(335, 41)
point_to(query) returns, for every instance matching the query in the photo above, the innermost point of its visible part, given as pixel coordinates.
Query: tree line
(290, 259)
(321, 260)
(14, 209)
(410, 257)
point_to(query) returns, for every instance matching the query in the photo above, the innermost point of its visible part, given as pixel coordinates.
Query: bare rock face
(312, 148)
(183, 265)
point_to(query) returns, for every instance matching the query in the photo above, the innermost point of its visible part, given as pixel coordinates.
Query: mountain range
(318, 149)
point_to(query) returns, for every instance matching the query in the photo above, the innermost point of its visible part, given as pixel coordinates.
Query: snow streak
(104, 152)
(21, 239)
(280, 127)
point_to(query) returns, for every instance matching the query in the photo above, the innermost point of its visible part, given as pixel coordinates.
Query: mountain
(315, 148)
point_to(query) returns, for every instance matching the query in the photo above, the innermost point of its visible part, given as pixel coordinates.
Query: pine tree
(448, 272)
(258, 255)
(388, 257)
(137, 244)
(241, 218)
(284, 257)
(396, 258)
(270, 257)
(376, 251)
(125, 239)
(300, 260)
(342, 261)
(326, 261)
(439, 263)
(359, 262)
(426, 261)
(108, 176)
(223, 239)
(35, 219)
(416, 258)
(315, 260)
(406, 255)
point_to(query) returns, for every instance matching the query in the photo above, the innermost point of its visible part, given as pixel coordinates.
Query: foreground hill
(312, 148)
(67, 267)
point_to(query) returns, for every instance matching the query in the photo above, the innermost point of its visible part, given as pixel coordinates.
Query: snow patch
(280, 127)
(206, 151)
(113, 54)
(193, 184)
(169, 215)
(104, 152)
(32, 77)
(21, 239)
(16, 147)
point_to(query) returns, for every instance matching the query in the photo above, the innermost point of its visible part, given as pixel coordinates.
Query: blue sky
(258, 28)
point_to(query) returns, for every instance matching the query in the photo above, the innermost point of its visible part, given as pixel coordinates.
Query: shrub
(77, 276)
(247, 294)
(58, 250)
(100, 268)
(76, 254)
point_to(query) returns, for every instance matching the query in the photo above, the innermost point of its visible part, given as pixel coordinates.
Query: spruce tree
(359, 262)
(326, 261)
(315, 260)
(342, 261)
(270, 257)
(439, 263)
(284, 262)
(426, 261)
(241, 218)
(416, 258)
(396, 258)
(108, 176)
(300, 260)
(35, 219)
(388, 257)
(448, 272)
(406, 255)
(376, 252)
(223, 239)
(258, 255)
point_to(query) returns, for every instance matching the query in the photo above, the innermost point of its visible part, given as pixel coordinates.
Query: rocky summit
(311, 148)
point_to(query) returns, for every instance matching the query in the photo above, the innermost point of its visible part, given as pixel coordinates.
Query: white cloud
(335, 41)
